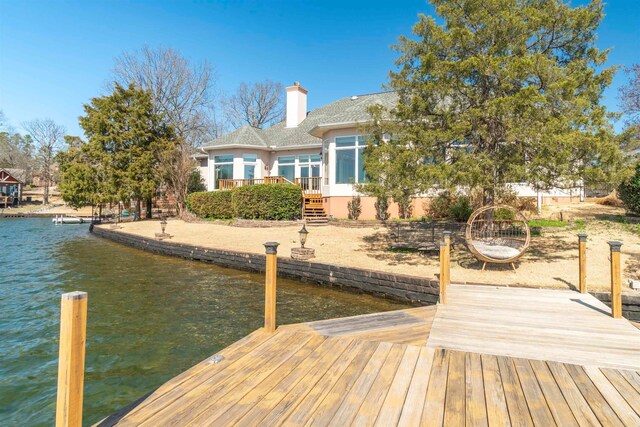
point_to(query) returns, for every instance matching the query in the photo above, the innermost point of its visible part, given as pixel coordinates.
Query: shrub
(503, 213)
(405, 206)
(354, 207)
(629, 192)
(382, 208)
(195, 183)
(439, 206)
(212, 204)
(460, 209)
(267, 201)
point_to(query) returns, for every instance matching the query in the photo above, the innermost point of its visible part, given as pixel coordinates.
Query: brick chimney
(296, 105)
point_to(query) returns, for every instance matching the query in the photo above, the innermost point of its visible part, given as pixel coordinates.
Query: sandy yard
(552, 259)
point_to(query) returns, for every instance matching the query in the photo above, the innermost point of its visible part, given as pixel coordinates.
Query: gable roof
(12, 175)
(345, 112)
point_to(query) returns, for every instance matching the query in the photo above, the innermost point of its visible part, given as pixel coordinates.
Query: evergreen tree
(499, 91)
(120, 160)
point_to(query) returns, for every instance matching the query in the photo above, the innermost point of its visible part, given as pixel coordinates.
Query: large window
(287, 167)
(310, 168)
(250, 165)
(349, 164)
(222, 169)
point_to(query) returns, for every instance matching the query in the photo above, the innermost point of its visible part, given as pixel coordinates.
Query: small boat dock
(489, 356)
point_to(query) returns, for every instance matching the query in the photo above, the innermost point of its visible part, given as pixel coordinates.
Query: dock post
(444, 271)
(582, 260)
(73, 330)
(446, 235)
(270, 286)
(616, 290)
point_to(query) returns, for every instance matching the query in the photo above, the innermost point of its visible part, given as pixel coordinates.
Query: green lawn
(547, 223)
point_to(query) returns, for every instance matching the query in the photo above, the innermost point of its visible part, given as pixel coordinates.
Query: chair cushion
(495, 250)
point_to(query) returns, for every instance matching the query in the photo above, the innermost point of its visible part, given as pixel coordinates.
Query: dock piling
(270, 286)
(582, 260)
(616, 290)
(73, 330)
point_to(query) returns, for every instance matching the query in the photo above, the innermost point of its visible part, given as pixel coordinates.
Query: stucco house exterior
(320, 150)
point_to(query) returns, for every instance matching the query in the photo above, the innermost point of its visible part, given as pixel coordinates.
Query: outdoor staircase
(313, 211)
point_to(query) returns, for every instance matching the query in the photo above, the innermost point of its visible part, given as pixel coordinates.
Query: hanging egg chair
(498, 235)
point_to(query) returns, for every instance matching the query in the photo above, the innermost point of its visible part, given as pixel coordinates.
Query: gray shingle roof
(345, 110)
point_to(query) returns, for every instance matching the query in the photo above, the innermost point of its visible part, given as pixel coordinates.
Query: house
(320, 150)
(11, 182)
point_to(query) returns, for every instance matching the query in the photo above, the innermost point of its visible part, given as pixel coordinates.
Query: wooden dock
(490, 356)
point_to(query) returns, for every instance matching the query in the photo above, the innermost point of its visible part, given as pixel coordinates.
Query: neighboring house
(320, 150)
(11, 182)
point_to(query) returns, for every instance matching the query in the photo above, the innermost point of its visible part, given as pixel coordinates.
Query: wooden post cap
(271, 248)
(582, 237)
(615, 245)
(76, 295)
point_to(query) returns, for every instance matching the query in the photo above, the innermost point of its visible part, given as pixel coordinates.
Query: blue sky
(56, 55)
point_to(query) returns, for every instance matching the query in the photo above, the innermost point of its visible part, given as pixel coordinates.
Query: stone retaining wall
(400, 287)
(630, 303)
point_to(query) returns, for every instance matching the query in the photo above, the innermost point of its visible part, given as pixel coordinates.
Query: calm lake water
(150, 317)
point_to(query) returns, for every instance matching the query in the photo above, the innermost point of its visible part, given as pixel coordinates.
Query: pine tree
(499, 91)
(120, 160)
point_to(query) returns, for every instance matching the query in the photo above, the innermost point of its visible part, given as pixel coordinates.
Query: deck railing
(229, 184)
(310, 185)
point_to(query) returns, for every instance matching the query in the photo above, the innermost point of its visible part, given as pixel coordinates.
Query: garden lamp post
(303, 235)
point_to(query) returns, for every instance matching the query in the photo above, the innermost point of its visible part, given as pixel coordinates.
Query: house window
(222, 169)
(287, 167)
(349, 164)
(310, 168)
(250, 165)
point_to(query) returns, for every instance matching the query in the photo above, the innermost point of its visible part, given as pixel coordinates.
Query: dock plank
(280, 401)
(561, 411)
(415, 399)
(552, 325)
(352, 361)
(489, 357)
(434, 407)
(391, 408)
(476, 405)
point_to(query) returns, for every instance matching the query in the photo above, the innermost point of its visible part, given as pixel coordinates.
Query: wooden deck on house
(490, 356)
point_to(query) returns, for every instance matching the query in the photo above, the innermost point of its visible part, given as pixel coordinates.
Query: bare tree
(255, 104)
(47, 137)
(185, 94)
(630, 95)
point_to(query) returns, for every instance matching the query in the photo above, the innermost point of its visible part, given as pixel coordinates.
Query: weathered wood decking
(488, 357)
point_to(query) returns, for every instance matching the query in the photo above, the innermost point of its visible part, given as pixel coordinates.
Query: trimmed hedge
(267, 202)
(212, 204)
(262, 201)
